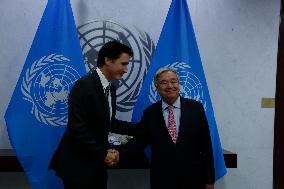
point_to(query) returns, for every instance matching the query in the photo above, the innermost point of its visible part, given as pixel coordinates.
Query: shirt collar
(176, 104)
(103, 79)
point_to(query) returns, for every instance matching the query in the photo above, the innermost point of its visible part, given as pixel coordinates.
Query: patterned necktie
(172, 124)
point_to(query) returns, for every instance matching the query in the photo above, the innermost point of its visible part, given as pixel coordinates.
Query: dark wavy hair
(112, 50)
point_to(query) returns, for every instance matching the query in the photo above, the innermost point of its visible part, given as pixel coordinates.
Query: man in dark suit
(177, 131)
(84, 153)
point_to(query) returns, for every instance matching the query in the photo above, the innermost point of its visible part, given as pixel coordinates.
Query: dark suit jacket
(81, 153)
(188, 164)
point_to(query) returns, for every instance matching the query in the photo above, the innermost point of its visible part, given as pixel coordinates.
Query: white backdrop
(238, 45)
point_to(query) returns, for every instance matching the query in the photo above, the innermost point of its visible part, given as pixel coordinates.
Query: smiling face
(168, 86)
(114, 69)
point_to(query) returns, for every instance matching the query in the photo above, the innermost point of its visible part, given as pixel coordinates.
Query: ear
(108, 60)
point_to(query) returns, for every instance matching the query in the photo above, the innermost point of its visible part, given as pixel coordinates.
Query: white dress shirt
(176, 110)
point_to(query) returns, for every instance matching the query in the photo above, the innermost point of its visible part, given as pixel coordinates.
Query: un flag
(36, 116)
(177, 49)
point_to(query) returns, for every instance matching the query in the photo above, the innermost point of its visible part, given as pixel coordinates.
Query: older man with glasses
(177, 131)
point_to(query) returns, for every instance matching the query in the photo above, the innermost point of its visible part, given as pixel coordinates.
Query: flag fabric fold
(177, 48)
(36, 116)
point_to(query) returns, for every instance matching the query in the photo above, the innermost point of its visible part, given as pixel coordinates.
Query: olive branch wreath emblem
(27, 83)
(148, 48)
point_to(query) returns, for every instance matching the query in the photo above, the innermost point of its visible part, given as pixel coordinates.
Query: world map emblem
(94, 34)
(46, 85)
(190, 85)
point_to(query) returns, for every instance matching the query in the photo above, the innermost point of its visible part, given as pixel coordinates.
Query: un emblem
(93, 35)
(190, 85)
(46, 85)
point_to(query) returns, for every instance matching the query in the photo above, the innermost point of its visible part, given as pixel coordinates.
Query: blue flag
(36, 116)
(177, 49)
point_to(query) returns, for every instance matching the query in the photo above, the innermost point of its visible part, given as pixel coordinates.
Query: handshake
(112, 157)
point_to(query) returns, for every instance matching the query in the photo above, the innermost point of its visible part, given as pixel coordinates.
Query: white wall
(238, 45)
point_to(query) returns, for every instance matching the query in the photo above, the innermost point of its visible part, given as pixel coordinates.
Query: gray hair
(162, 70)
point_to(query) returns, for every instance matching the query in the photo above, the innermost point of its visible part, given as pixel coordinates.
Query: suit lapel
(161, 122)
(113, 99)
(183, 118)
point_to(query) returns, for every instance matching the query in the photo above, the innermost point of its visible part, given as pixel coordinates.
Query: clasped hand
(112, 157)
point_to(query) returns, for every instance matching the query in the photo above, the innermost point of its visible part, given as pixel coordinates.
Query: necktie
(107, 89)
(172, 124)
(107, 92)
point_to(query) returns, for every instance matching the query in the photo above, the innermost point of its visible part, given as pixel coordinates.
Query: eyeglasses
(166, 83)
